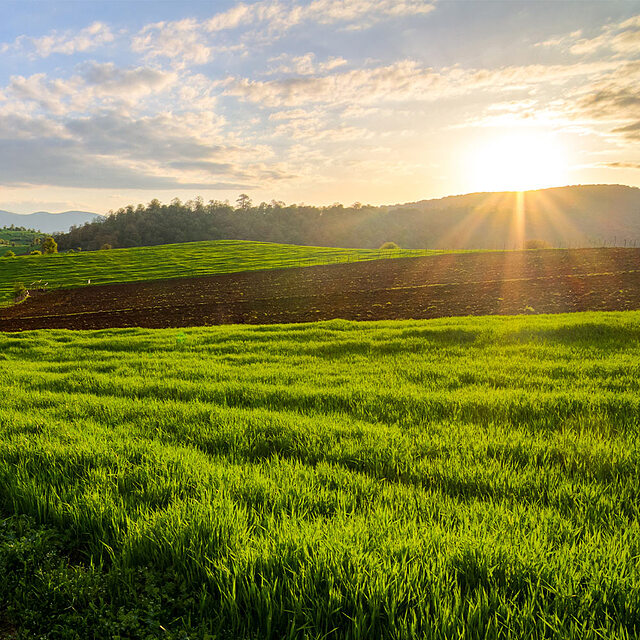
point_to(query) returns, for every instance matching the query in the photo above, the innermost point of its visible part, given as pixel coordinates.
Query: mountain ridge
(46, 221)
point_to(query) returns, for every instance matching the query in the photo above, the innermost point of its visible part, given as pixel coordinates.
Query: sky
(104, 104)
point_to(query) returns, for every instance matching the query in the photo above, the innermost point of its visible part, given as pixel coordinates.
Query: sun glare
(518, 162)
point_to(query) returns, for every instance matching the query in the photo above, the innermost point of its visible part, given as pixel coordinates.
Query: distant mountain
(590, 215)
(47, 222)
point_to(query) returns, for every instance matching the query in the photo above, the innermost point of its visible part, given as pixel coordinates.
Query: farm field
(21, 241)
(453, 478)
(170, 261)
(455, 284)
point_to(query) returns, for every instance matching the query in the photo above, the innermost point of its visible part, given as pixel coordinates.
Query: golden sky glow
(515, 160)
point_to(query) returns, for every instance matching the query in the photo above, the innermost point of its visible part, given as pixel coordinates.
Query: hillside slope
(168, 261)
(563, 216)
(593, 215)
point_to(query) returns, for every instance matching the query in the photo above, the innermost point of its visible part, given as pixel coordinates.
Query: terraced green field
(171, 261)
(457, 478)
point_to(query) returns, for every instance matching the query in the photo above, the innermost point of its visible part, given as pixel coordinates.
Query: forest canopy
(156, 223)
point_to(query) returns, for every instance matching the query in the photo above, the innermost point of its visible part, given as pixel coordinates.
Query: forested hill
(563, 216)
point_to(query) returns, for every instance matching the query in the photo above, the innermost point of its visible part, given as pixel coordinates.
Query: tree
(243, 202)
(106, 246)
(389, 245)
(49, 245)
(19, 291)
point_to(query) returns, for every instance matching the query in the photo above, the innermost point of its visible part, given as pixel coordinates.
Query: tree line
(335, 225)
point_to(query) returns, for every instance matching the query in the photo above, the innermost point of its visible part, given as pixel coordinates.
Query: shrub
(106, 246)
(537, 244)
(36, 253)
(19, 290)
(9, 254)
(389, 245)
(49, 245)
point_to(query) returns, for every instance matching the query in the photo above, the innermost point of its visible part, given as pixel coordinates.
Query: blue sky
(103, 104)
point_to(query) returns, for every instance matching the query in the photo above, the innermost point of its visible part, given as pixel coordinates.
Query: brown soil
(445, 285)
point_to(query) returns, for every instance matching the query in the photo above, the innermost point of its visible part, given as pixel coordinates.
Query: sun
(518, 162)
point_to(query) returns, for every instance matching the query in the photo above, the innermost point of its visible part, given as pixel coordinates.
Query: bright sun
(518, 162)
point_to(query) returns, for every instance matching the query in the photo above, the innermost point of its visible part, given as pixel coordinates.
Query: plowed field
(548, 281)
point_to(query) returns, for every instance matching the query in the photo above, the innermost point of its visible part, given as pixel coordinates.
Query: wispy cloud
(183, 40)
(278, 15)
(66, 43)
(304, 65)
(622, 38)
(401, 81)
(622, 165)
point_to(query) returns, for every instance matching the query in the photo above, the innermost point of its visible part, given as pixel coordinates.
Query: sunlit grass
(467, 478)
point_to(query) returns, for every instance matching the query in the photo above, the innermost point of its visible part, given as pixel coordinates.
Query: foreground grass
(459, 478)
(171, 261)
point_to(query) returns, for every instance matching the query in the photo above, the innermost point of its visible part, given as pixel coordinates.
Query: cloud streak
(68, 43)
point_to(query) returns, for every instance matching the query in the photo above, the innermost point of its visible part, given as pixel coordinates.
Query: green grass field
(171, 261)
(18, 249)
(22, 240)
(458, 478)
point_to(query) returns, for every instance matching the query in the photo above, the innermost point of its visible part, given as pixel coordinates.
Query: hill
(20, 241)
(169, 261)
(588, 215)
(457, 478)
(47, 222)
(592, 215)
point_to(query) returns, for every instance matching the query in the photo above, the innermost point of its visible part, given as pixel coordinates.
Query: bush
(9, 254)
(389, 245)
(19, 290)
(537, 244)
(106, 247)
(49, 245)
(36, 253)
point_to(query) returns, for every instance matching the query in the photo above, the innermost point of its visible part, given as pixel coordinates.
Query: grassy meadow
(17, 241)
(457, 478)
(171, 261)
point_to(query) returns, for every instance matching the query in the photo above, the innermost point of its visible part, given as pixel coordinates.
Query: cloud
(303, 65)
(405, 80)
(53, 96)
(65, 163)
(279, 15)
(118, 151)
(96, 85)
(161, 138)
(612, 99)
(182, 39)
(621, 38)
(192, 42)
(622, 165)
(66, 43)
(133, 82)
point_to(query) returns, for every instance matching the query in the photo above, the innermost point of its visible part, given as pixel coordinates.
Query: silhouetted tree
(243, 201)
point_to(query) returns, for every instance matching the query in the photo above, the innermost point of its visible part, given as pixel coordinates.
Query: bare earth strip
(550, 281)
